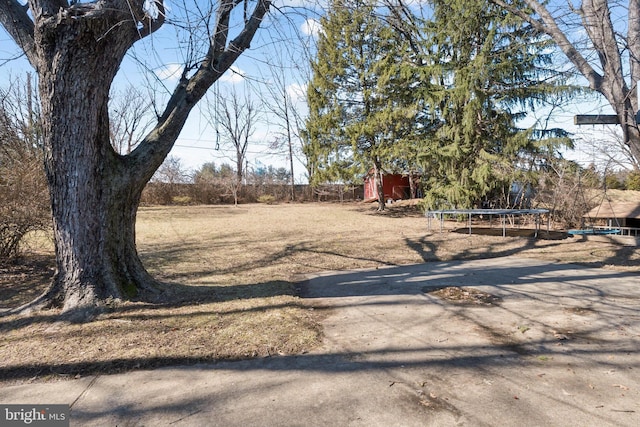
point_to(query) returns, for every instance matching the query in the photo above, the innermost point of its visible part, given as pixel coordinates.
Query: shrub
(181, 200)
(633, 181)
(267, 198)
(561, 189)
(25, 207)
(23, 186)
(613, 182)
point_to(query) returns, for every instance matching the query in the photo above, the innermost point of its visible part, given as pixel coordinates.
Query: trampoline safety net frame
(502, 213)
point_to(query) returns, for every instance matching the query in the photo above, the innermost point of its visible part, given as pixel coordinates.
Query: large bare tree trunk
(94, 192)
(76, 49)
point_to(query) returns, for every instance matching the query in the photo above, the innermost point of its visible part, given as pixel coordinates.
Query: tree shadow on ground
(31, 276)
(529, 233)
(615, 252)
(177, 296)
(567, 286)
(428, 250)
(399, 211)
(414, 279)
(502, 355)
(163, 256)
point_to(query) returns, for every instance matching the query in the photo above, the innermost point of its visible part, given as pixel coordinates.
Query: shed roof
(615, 210)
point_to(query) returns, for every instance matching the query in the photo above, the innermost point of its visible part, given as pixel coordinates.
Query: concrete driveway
(553, 345)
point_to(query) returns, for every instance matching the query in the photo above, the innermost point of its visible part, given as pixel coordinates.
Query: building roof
(615, 210)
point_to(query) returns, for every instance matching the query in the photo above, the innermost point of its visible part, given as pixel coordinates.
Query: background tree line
(213, 184)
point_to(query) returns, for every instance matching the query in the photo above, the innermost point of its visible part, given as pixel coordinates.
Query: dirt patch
(435, 403)
(465, 296)
(583, 311)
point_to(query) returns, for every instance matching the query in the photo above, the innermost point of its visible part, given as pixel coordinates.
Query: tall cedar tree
(356, 115)
(487, 69)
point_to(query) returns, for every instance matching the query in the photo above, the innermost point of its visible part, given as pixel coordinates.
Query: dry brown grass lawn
(234, 272)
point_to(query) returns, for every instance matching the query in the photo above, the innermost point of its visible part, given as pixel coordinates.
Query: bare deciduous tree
(567, 191)
(172, 171)
(129, 119)
(608, 151)
(281, 104)
(607, 58)
(236, 116)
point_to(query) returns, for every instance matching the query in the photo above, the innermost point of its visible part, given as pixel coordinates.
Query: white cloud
(233, 75)
(169, 72)
(311, 27)
(297, 92)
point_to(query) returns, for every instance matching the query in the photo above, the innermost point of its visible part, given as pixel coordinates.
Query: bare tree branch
(633, 39)
(596, 19)
(548, 25)
(152, 150)
(14, 18)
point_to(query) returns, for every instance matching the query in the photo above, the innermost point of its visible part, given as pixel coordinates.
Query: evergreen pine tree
(359, 95)
(488, 69)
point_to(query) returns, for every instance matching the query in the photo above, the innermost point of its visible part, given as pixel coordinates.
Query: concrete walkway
(560, 346)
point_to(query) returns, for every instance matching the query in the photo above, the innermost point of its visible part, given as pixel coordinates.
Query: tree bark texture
(95, 192)
(378, 177)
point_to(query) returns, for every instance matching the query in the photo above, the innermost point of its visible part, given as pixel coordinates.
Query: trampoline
(501, 213)
(594, 231)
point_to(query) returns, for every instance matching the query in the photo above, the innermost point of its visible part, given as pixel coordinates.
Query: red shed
(395, 186)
